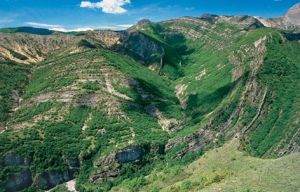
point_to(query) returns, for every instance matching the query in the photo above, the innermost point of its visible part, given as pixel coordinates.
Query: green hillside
(189, 104)
(228, 169)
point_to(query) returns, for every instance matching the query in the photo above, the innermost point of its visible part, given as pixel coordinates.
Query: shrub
(186, 185)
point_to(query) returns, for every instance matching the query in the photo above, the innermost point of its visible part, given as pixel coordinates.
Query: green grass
(280, 73)
(151, 83)
(91, 86)
(28, 113)
(86, 44)
(229, 169)
(171, 58)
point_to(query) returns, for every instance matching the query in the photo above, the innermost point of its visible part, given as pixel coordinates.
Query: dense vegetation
(88, 110)
(280, 73)
(13, 79)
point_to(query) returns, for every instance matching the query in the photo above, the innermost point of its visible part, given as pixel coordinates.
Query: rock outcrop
(143, 48)
(16, 160)
(50, 179)
(110, 165)
(19, 181)
(130, 155)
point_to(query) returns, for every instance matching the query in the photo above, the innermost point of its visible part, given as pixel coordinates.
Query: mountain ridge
(289, 19)
(116, 109)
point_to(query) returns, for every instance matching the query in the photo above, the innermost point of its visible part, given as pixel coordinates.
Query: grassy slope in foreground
(228, 169)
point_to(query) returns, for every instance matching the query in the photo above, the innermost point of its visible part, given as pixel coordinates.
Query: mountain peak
(293, 15)
(208, 15)
(143, 21)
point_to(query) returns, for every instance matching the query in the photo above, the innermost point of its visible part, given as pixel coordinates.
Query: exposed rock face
(109, 169)
(243, 21)
(147, 50)
(194, 142)
(144, 21)
(87, 100)
(290, 21)
(165, 123)
(180, 94)
(71, 186)
(293, 15)
(19, 181)
(110, 165)
(16, 160)
(107, 37)
(48, 180)
(107, 175)
(74, 163)
(137, 43)
(130, 155)
(29, 48)
(140, 25)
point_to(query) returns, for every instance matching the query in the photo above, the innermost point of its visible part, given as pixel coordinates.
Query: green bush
(186, 185)
(93, 86)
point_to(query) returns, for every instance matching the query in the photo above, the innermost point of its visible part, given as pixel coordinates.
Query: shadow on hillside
(167, 52)
(200, 104)
(147, 94)
(292, 36)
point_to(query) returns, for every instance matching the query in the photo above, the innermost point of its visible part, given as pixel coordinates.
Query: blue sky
(118, 14)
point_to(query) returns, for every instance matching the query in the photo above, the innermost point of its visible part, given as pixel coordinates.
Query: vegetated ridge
(188, 104)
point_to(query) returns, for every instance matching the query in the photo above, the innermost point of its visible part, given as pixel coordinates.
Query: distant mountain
(289, 22)
(31, 30)
(293, 15)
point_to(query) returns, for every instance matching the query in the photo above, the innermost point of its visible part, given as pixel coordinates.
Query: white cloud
(125, 25)
(63, 29)
(107, 6)
(35, 24)
(56, 27)
(115, 27)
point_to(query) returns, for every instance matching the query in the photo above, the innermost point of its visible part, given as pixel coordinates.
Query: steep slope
(13, 79)
(229, 169)
(239, 90)
(81, 96)
(113, 109)
(27, 48)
